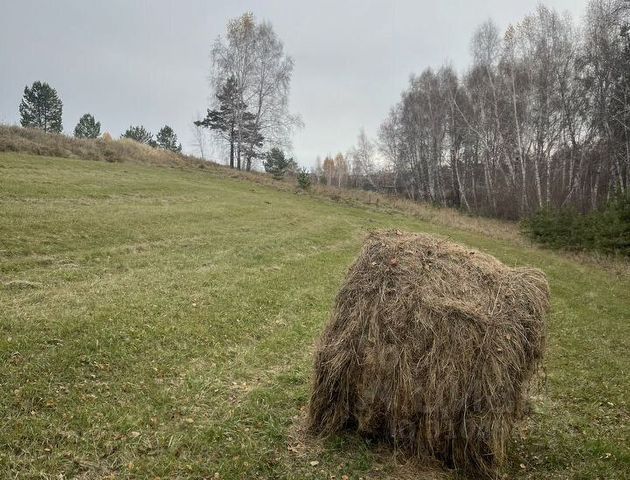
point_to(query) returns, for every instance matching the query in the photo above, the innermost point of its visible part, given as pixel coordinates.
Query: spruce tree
(41, 108)
(303, 179)
(167, 140)
(87, 127)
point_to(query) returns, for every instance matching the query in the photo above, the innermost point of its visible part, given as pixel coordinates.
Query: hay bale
(431, 345)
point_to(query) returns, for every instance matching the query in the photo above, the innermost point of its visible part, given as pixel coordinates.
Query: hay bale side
(431, 345)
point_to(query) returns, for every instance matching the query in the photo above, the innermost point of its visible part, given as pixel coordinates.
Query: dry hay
(430, 345)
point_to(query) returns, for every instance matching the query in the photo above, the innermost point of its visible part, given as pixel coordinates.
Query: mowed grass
(160, 322)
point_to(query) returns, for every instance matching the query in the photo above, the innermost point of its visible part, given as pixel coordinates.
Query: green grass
(159, 322)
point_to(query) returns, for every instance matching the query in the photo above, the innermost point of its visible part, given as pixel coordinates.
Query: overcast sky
(147, 62)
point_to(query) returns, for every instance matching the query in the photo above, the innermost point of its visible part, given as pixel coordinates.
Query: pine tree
(234, 123)
(41, 108)
(225, 119)
(139, 134)
(87, 127)
(167, 140)
(277, 164)
(251, 138)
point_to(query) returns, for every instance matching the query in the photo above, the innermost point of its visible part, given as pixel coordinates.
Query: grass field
(159, 322)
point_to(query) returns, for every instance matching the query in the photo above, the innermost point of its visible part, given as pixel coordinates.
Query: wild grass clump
(431, 346)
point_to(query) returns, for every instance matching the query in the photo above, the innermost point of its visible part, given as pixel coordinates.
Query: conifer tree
(167, 140)
(139, 134)
(277, 163)
(41, 108)
(234, 123)
(87, 127)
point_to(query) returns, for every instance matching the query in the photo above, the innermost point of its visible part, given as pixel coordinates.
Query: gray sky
(147, 62)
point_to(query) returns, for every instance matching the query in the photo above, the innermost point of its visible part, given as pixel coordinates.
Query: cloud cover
(147, 62)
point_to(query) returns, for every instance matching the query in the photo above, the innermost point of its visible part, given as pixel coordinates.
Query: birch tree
(541, 118)
(253, 55)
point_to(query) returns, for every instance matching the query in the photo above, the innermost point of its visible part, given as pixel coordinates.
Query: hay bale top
(438, 274)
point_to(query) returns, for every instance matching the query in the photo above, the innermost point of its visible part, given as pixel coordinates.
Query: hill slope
(159, 323)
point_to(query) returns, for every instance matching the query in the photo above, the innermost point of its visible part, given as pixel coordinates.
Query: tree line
(540, 119)
(42, 108)
(357, 168)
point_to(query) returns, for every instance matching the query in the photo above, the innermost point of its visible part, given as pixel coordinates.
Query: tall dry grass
(36, 142)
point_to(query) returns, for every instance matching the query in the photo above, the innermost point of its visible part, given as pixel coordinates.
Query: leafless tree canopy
(540, 118)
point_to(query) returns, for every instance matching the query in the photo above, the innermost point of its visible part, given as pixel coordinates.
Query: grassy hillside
(159, 323)
(14, 139)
